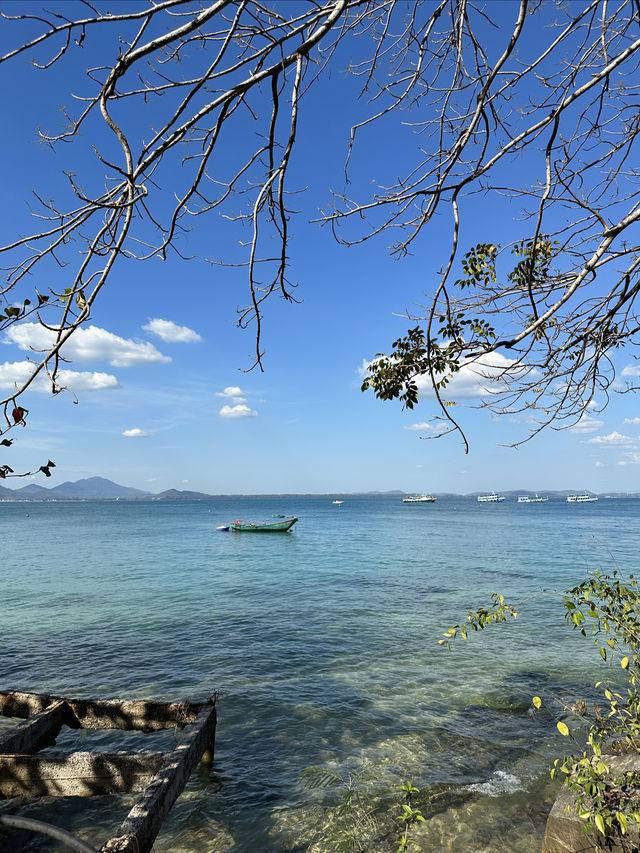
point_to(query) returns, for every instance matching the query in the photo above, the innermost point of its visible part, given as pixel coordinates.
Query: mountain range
(98, 488)
(94, 488)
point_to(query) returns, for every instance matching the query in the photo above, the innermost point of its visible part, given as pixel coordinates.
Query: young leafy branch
(605, 607)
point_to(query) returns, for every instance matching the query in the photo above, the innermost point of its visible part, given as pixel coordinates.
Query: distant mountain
(6, 493)
(31, 492)
(175, 495)
(94, 488)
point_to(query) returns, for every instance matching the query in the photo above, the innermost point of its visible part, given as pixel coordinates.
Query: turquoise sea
(322, 644)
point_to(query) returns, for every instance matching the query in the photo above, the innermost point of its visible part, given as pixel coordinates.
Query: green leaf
(599, 821)
(563, 728)
(622, 820)
(624, 663)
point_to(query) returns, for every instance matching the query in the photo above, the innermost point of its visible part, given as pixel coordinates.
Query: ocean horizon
(100, 488)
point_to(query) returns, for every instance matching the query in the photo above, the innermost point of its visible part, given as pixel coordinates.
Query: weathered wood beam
(136, 714)
(77, 774)
(39, 731)
(141, 826)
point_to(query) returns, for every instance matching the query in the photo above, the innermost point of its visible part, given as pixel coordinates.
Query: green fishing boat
(266, 527)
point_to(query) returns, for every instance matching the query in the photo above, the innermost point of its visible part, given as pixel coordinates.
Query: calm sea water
(323, 646)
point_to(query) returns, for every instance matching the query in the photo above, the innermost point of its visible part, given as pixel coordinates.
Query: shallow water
(323, 646)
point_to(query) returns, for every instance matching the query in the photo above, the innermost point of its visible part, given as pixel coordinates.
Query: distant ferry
(490, 499)
(419, 499)
(527, 499)
(581, 499)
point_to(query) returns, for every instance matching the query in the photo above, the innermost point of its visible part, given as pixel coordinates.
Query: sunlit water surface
(323, 646)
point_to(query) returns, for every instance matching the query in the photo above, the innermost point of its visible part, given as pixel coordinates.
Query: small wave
(500, 783)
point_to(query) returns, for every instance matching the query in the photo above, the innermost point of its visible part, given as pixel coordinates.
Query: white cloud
(422, 427)
(171, 332)
(88, 344)
(632, 459)
(136, 433)
(239, 411)
(631, 370)
(17, 372)
(233, 393)
(599, 464)
(474, 379)
(585, 425)
(477, 378)
(631, 421)
(87, 381)
(615, 440)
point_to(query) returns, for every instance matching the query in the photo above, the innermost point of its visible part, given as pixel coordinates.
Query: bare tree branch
(554, 87)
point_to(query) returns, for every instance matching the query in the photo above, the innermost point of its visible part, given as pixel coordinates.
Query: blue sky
(163, 399)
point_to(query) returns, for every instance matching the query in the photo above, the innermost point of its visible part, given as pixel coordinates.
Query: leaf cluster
(409, 816)
(479, 266)
(477, 620)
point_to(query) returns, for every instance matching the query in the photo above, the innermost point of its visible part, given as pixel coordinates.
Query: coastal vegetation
(606, 608)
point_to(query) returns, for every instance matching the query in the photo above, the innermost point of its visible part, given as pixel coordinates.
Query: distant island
(92, 489)
(100, 489)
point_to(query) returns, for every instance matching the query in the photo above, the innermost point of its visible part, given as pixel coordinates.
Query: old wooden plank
(136, 714)
(37, 732)
(77, 774)
(139, 830)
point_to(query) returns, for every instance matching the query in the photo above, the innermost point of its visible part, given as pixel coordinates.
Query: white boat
(490, 499)
(581, 499)
(527, 499)
(337, 502)
(419, 499)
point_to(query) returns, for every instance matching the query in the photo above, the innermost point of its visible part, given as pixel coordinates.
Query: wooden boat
(266, 527)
